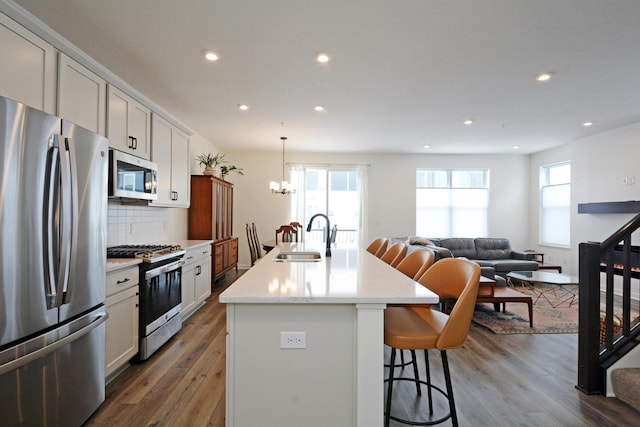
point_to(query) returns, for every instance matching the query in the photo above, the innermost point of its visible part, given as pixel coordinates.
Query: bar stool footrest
(421, 423)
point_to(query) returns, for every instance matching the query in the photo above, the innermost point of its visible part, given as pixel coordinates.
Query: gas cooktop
(148, 253)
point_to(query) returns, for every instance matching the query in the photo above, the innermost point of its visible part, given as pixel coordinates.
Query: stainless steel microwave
(132, 177)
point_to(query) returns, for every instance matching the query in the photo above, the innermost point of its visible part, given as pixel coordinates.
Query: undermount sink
(298, 257)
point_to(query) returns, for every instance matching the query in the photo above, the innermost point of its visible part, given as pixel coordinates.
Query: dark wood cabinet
(211, 218)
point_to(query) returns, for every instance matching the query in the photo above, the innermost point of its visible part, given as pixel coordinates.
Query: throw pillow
(416, 240)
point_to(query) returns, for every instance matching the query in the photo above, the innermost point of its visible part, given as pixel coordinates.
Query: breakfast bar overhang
(333, 311)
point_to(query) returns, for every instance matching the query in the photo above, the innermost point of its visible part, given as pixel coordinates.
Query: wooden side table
(550, 267)
(539, 258)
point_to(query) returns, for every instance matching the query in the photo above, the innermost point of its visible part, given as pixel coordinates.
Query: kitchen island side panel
(270, 386)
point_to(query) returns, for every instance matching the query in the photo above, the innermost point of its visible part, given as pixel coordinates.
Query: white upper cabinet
(81, 95)
(170, 151)
(128, 124)
(28, 67)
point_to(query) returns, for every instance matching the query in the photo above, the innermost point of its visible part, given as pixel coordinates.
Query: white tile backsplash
(131, 224)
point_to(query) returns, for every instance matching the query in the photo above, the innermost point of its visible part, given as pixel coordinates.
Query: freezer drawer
(62, 387)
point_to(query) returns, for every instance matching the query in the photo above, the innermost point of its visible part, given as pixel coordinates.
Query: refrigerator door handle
(50, 224)
(69, 214)
(48, 348)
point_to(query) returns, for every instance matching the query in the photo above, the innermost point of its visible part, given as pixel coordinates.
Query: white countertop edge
(114, 264)
(323, 300)
(191, 244)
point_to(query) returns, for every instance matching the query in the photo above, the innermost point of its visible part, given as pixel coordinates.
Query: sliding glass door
(335, 192)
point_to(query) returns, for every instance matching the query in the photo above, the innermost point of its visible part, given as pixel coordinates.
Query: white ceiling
(403, 73)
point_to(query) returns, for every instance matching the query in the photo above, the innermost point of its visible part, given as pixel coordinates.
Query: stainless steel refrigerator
(53, 209)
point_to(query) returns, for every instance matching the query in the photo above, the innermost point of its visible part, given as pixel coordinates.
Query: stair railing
(595, 258)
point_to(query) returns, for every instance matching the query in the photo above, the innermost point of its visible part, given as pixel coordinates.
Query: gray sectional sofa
(488, 252)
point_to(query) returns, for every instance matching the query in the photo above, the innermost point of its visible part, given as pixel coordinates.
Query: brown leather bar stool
(416, 263)
(378, 246)
(424, 328)
(395, 254)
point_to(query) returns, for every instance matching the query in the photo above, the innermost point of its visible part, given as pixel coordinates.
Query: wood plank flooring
(498, 380)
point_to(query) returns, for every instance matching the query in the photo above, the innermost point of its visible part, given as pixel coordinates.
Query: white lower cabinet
(122, 324)
(196, 278)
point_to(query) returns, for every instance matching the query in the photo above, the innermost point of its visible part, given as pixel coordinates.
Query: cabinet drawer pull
(120, 282)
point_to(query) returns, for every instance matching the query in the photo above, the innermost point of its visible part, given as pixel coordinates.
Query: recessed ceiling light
(516, 147)
(468, 122)
(587, 124)
(211, 55)
(426, 146)
(318, 108)
(243, 107)
(544, 77)
(322, 57)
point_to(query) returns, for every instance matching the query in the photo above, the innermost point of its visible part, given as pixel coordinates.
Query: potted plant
(210, 162)
(224, 170)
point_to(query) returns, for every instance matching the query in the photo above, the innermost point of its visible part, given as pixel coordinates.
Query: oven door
(160, 295)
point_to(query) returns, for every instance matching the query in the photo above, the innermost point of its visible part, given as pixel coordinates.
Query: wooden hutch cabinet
(211, 218)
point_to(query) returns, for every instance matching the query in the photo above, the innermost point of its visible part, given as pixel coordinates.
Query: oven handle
(163, 269)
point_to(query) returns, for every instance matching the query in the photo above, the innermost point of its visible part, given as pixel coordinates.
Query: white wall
(597, 165)
(391, 199)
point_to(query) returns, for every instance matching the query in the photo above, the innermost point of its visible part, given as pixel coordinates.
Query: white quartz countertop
(349, 276)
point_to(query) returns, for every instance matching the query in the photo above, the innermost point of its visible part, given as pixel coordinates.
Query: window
(452, 202)
(555, 200)
(335, 191)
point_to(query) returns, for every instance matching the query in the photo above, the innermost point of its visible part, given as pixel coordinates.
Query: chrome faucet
(328, 252)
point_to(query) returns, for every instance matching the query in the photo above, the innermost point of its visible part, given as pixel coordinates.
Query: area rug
(562, 319)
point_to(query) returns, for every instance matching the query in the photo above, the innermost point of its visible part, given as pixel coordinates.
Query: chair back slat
(300, 228)
(254, 243)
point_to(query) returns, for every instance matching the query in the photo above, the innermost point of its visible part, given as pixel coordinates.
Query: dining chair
(254, 243)
(286, 233)
(416, 263)
(395, 254)
(299, 227)
(424, 328)
(378, 246)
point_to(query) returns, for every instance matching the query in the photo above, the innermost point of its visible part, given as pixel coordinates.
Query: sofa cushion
(492, 248)
(508, 265)
(460, 247)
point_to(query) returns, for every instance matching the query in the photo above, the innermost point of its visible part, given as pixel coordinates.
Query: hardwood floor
(498, 380)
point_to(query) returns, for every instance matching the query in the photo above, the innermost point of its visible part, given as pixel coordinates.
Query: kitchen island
(305, 339)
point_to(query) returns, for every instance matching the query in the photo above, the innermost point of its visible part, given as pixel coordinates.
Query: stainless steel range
(160, 282)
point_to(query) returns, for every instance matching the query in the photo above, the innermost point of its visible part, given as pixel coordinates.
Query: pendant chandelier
(284, 187)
